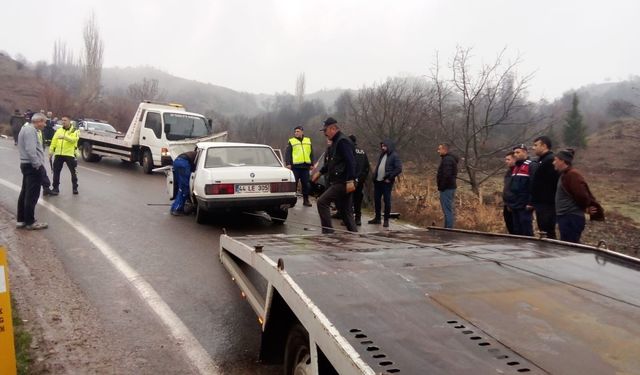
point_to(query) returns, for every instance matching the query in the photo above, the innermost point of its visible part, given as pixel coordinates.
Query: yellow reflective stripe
(300, 150)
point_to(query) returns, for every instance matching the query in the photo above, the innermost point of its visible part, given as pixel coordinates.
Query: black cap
(566, 155)
(352, 138)
(328, 121)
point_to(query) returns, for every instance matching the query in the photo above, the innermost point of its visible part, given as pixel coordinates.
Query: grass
(22, 341)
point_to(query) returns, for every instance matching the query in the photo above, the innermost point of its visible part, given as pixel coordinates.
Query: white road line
(95, 171)
(184, 338)
(6, 148)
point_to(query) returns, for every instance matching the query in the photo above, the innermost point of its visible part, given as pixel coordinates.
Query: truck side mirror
(167, 128)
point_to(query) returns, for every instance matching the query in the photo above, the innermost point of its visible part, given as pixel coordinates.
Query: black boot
(306, 202)
(375, 220)
(386, 223)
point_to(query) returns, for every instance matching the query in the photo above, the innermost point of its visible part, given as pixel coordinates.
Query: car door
(151, 135)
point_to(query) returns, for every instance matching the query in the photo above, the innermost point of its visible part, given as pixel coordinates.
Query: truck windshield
(185, 126)
(218, 157)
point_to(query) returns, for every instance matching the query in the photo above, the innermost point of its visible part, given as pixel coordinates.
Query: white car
(239, 177)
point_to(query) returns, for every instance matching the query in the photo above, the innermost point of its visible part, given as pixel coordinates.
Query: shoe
(375, 220)
(36, 226)
(20, 224)
(328, 231)
(177, 213)
(75, 191)
(54, 192)
(386, 223)
(306, 203)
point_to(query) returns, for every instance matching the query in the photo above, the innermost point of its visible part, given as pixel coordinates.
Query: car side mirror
(167, 128)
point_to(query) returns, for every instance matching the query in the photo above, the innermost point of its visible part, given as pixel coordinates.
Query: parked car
(96, 125)
(239, 177)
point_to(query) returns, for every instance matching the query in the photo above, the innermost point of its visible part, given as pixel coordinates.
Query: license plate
(256, 188)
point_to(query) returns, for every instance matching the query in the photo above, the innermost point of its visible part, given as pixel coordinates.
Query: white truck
(158, 133)
(438, 301)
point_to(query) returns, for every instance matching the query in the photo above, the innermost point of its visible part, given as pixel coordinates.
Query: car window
(185, 126)
(218, 157)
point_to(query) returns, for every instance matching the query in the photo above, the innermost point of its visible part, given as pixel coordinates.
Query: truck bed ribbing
(430, 301)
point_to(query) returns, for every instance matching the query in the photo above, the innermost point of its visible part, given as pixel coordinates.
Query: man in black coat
(507, 196)
(340, 169)
(389, 166)
(543, 187)
(362, 171)
(16, 122)
(447, 175)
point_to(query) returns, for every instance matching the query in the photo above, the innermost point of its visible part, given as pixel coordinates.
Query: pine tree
(575, 132)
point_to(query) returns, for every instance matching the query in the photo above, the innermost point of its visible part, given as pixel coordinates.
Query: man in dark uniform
(341, 175)
(362, 171)
(184, 164)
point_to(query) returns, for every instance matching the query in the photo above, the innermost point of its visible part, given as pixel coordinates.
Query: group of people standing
(32, 138)
(346, 168)
(549, 187)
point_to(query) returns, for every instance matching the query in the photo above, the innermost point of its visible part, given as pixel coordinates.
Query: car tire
(147, 162)
(278, 215)
(297, 353)
(201, 214)
(87, 153)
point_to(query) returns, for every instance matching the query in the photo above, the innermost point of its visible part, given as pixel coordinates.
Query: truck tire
(87, 153)
(278, 215)
(201, 214)
(297, 355)
(147, 162)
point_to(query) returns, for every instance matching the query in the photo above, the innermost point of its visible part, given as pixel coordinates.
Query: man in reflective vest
(63, 146)
(299, 158)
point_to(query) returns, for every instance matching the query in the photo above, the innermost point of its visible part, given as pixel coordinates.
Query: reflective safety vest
(64, 146)
(300, 150)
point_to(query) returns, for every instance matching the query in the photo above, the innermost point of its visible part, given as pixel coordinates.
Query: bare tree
(398, 109)
(147, 89)
(301, 85)
(482, 114)
(92, 64)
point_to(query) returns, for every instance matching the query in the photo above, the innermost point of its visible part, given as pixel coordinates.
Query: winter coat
(447, 172)
(545, 181)
(66, 146)
(575, 185)
(521, 178)
(393, 165)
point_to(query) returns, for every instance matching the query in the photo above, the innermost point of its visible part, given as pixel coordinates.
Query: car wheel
(278, 215)
(297, 356)
(87, 153)
(147, 162)
(201, 214)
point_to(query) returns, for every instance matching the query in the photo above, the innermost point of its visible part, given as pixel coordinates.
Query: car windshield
(100, 126)
(218, 157)
(185, 126)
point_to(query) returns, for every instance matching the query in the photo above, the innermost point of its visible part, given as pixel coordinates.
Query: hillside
(611, 152)
(19, 88)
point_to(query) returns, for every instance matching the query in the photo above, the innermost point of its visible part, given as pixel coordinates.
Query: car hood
(178, 147)
(246, 174)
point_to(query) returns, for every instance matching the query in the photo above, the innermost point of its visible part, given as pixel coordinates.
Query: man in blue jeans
(388, 168)
(184, 164)
(446, 178)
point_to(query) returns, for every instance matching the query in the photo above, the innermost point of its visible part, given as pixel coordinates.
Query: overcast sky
(261, 46)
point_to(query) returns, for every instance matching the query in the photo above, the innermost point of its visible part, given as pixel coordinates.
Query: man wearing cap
(543, 193)
(31, 166)
(573, 198)
(299, 158)
(341, 176)
(520, 202)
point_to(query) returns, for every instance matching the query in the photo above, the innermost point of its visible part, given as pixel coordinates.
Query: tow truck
(438, 301)
(158, 132)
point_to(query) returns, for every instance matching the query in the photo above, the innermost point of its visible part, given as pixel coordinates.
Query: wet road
(127, 210)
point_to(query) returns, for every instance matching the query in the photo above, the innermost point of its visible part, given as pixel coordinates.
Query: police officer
(63, 146)
(341, 175)
(362, 171)
(299, 158)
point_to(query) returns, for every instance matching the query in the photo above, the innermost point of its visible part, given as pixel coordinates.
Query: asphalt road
(128, 212)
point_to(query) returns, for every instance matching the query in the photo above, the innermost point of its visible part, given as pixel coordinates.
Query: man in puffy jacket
(63, 148)
(447, 175)
(389, 166)
(520, 201)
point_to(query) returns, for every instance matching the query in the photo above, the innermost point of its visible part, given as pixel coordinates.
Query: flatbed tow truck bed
(446, 302)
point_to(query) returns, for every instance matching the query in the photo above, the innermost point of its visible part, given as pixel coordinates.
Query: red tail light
(283, 187)
(218, 189)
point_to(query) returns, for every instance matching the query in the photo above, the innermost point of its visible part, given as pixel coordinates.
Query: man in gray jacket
(31, 166)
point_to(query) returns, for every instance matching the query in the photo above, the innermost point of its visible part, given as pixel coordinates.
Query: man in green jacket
(63, 146)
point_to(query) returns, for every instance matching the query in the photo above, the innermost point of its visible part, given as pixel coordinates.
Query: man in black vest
(341, 175)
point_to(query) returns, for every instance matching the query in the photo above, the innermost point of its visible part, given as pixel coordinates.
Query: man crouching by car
(341, 173)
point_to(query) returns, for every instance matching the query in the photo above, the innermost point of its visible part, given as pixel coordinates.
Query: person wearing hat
(341, 176)
(299, 158)
(389, 166)
(520, 202)
(16, 122)
(573, 199)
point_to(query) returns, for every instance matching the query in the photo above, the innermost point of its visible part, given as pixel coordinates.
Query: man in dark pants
(341, 174)
(63, 146)
(299, 158)
(507, 196)
(388, 168)
(446, 179)
(16, 122)
(543, 189)
(521, 207)
(362, 171)
(31, 164)
(183, 166)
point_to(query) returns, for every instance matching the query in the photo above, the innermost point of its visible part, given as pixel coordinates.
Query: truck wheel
(297, 356)
(87, 153)
(147, 162)
(278, 215)
(201, 214)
